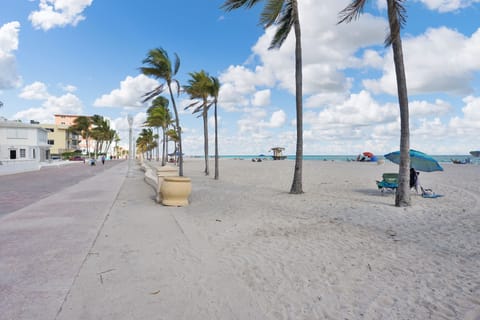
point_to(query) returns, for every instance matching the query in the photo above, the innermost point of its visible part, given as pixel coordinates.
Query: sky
(83, 57)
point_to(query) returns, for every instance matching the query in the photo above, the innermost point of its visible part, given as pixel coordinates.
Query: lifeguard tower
(278, 153)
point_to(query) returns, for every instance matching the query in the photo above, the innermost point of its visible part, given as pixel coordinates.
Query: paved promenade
(43, 246)
(18, 190)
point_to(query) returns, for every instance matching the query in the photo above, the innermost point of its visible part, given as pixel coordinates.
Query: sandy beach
(246, 249)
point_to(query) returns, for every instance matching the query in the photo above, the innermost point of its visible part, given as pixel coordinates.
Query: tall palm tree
(109, 138)
(116, 139)
(199, 87)
(101, 133)
(160, 66)
(284, 14)
(146, 142)
(396, 19)
(159, 116)
(215, 90)
(82, 126)
(172, 135)
(96, 132)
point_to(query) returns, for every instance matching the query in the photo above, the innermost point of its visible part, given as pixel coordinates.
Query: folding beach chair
(389, 182)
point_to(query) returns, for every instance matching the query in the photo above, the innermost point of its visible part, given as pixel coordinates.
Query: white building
(22, 146)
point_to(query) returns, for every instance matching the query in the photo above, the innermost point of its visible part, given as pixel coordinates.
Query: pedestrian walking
(103, 159)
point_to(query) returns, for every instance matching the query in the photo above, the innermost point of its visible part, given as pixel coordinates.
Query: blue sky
(83, 57)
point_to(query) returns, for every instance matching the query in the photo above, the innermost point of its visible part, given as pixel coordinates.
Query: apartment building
(22, 142)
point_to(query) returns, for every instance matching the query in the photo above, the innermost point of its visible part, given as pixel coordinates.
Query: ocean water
(439, 158)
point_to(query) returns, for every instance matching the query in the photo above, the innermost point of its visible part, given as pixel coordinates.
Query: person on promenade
(103, 159)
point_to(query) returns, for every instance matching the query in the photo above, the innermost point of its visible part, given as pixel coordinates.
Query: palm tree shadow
(374, 196)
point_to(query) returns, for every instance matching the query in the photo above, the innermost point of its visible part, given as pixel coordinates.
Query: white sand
(246, 249)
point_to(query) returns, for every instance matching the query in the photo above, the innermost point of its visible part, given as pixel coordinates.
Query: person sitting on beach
(414, 183)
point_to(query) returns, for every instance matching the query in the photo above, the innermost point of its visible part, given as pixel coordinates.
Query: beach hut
(278, 153)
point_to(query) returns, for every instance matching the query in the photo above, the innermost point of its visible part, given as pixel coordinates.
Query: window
(22, 153)
(51, 142)
(33, 154)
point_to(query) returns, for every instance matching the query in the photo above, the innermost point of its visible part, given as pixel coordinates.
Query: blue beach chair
(389, 182)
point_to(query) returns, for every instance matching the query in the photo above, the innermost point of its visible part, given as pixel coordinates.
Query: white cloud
(261, 98)
(66, 104)
(278, 119)
(441, 60)
(469, 124)
(69, 88)
(254, 122)
(9, 43)
(425, 108)
(448, 5)
(58, 13)
(327, 49)
(229, 99)
(358, 111)
(35, 91)
(130, 93)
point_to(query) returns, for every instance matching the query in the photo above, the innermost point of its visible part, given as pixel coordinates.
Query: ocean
(439, 158)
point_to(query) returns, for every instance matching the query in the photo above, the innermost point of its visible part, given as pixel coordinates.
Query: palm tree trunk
(164, 138)
(205, 139)
(86, 141)
(402, 196)
(297, 175)
(158, 145)
(179, 132)
(216, 143)
(166, 146)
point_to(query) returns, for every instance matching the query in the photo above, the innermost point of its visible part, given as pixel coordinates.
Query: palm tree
(109, 138)
(199, 87)
(102, 134)
(396, 19)
(117, 139)
(284, 14)
(97, 131)
(160, 67)
(173, 136)
(215, 90)
(146, 142)
(82, 126)
(159, 116)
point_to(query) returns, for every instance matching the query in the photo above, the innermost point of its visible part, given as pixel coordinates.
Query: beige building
(60, 139)
(65, 119)
(68, 120)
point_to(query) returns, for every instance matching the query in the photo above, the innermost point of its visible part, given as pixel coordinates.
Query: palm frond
(271, 12)
(230, 5)
(285, 23)
(177, 83)
(397, 16)
(352, 11)
(191, 105)
(153, 93)
(176, 64)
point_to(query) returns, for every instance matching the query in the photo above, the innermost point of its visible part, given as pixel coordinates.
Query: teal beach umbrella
(418, 160)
